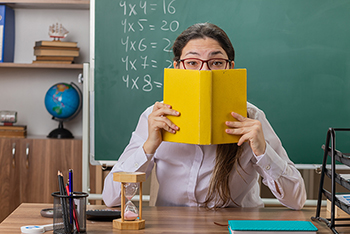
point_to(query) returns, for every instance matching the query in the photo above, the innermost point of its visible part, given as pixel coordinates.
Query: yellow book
(205, 100)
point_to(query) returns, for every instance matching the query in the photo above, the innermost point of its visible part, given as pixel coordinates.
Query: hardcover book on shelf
(271, 226)
(205, 100)
(62, 52)
(56, 43)
(54, 58)
(53, 61)
(56, 51)
(7, 34)
(13, 127)
(55, 48)
(15, 131)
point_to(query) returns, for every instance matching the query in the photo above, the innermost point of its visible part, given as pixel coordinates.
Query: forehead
(202, 47)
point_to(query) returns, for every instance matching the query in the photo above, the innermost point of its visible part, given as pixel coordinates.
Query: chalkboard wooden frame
(296, 54)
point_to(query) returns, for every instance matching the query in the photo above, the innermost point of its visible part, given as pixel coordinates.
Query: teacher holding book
(211, 176)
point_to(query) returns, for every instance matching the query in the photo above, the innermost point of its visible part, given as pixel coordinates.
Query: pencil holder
(69, 213)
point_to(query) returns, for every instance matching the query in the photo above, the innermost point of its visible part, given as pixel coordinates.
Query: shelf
(48, 4)
(340, 180)
(337, 202)
(41, 65)
(343, 158)
(336, 179)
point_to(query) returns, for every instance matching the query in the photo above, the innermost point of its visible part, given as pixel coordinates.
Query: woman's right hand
(157, 121)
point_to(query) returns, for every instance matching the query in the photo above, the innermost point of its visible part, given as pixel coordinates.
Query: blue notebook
(7, 34)
(270, 226)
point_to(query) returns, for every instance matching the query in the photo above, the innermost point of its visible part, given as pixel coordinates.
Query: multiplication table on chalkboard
(295, 52)
(133, 45)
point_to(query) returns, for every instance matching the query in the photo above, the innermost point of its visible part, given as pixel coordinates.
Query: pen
(70, 181)
(74, 212)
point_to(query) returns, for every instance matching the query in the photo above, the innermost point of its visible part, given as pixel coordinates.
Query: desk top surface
(170, 219)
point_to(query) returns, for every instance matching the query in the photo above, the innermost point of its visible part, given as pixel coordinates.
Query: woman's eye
(218, 63)
(192, 63)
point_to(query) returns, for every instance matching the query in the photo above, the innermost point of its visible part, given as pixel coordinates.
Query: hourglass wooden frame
(123, 178)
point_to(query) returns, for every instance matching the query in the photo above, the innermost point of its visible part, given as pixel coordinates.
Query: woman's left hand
(250, 130)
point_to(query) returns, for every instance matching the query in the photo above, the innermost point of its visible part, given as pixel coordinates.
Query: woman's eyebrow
(192, 53)
(216, 53)
(211, 53)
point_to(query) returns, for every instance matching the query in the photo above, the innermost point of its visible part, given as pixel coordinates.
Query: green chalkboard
(296, 52)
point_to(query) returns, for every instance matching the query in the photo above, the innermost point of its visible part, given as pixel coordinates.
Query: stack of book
(55, 52)
(17, 131)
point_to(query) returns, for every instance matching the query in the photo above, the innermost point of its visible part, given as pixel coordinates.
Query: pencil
(63, 203)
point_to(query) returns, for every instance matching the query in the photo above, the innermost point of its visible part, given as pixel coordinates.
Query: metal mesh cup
(69, 213)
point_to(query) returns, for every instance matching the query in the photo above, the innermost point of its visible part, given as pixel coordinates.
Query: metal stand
(335, 178)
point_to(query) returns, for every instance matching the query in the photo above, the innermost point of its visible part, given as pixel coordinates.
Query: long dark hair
(227, 155)
(202, 30)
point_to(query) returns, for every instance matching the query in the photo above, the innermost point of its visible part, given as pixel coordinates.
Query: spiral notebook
(271, 226)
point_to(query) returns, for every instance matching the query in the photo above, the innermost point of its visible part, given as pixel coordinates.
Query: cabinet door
(9, 176)
(43, 158)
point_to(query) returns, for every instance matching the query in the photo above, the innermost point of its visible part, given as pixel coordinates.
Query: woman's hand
(250, 130)
(157, 121)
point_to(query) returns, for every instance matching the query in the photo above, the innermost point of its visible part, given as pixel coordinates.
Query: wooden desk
(168, 219)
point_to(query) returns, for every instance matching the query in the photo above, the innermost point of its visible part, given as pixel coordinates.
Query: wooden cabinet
(28, 169)
(9, 176)
(42, 159)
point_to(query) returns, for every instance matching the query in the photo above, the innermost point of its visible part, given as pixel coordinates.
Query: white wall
(24, 89)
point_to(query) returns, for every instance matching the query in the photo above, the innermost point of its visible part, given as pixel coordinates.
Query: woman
(212, 176)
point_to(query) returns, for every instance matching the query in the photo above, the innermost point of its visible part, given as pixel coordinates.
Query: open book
(205, 100)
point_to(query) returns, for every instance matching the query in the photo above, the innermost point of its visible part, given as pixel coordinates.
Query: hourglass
(131, 218)
(131, 212)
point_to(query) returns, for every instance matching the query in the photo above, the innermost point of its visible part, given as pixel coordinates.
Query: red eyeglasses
(197, 64)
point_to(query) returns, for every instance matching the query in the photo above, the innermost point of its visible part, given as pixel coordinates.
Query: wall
(24, 89)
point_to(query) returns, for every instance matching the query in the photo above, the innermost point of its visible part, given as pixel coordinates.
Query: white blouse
(184, 170)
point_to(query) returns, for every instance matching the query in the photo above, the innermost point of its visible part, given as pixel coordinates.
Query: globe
(63, 102)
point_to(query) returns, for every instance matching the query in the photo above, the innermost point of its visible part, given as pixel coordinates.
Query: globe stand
(57, 99)
(60, 132)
